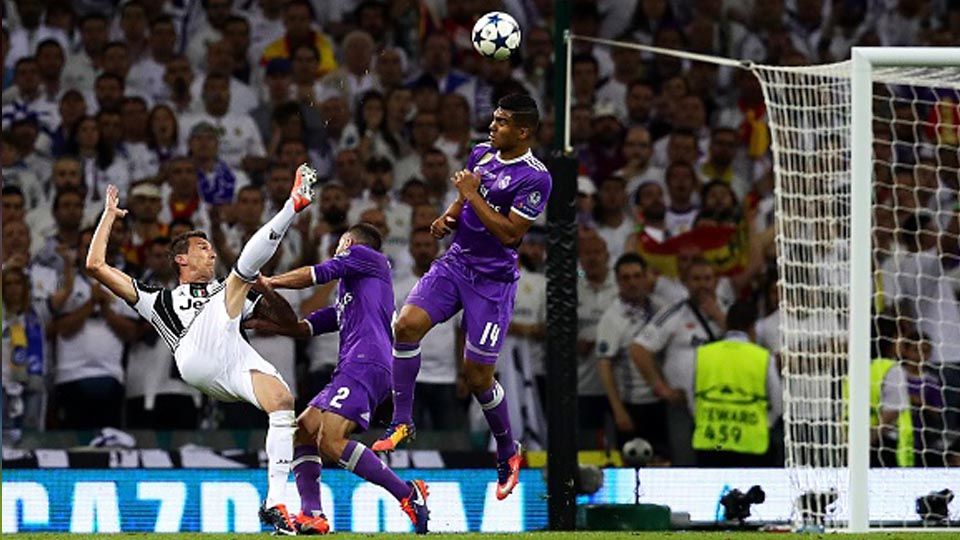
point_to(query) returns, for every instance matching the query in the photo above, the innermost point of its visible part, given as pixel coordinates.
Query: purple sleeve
(359, 260)
(532, 196)
(323, 321)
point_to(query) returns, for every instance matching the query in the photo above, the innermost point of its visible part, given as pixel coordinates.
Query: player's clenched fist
(466, 182)
(442, 226)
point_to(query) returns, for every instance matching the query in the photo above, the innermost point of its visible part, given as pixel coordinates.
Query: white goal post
(863, 62)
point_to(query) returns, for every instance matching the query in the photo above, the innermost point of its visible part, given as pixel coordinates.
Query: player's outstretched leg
(360, 460)
(493, 401)
(263, 244)
(307, 467)
(412, 324)
(275, 399)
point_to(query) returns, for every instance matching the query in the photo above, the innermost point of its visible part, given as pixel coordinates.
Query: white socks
(263, 244)
(279, 454)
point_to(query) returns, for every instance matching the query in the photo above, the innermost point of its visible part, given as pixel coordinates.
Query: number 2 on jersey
(492, 331)
(342, 394)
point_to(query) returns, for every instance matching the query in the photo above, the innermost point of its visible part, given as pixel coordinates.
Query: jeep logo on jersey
(192, 304)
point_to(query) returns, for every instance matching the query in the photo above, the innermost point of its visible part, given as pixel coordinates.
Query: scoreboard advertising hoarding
(226, 500)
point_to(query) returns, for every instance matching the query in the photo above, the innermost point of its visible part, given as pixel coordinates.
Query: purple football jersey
(364, 309)
(521, 185)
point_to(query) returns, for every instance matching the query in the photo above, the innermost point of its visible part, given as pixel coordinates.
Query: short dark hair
(695, 262)
(112, 76)
(238, 19)
(22, 61)
(12, 190)
(679, 165)
(421, 230)
(92, 17)
(741, 316)
(629, 258)
(181, 243)
(49, 42)
(163, 18)
(63, 192)
(116, 45)
(523, 109)
(366, 234)
(378, 164)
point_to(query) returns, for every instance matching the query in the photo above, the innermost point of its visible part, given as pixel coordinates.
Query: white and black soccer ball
(636, 452)
(496, 35)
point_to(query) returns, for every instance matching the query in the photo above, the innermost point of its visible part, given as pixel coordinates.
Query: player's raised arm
(300, 278)
(508, 229)
(114, 279)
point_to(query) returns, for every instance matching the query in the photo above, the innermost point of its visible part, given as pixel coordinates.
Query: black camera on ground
(736, 504)
(933, 508)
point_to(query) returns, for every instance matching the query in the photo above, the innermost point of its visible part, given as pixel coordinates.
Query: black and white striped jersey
(172, 311)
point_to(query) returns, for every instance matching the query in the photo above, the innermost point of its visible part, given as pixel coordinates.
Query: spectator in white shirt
(51, 59)
(81, 70)
(676, 331)
(683, 208)
(26, 97)
(32, 29)
(240, 143)
(108, 92)
(219, 183)
(146, 75)
(637, 150)
(220, 61)
(245, 68)
(207, 31)
(636, 410)
(596, 290)
(613, 223)
(266, 24)
(92, 331)
(177, 78)
(101, 163)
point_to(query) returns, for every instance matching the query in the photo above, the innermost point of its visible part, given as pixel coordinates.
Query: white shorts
(214, 358)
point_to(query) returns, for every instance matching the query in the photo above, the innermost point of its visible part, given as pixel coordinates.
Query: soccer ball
(636, 452)
(496, 35)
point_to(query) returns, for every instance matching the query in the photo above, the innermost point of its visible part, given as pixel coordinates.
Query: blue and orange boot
(508, 473)
(415, 506)
(395, 434)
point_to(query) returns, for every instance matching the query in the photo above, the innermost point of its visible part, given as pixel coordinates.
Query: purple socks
(406, 366)
(306, 469)
(494, 405)
(359, 460)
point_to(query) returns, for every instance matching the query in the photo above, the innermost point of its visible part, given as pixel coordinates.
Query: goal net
(915, 320)
(905, 301)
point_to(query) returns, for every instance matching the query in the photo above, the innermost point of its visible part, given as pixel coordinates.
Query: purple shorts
(354, 392)
(487, 306)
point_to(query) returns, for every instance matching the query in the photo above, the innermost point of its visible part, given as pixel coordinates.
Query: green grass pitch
(580, 535)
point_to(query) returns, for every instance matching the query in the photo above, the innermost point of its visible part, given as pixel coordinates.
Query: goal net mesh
(915, 316)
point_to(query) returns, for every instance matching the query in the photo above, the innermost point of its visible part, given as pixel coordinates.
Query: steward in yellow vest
(736, 387)
(885, 451)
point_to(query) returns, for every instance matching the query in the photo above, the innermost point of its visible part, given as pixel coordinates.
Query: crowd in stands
(200, 111)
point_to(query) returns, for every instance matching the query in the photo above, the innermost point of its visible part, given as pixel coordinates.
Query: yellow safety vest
(878, 371)
(730, 398)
